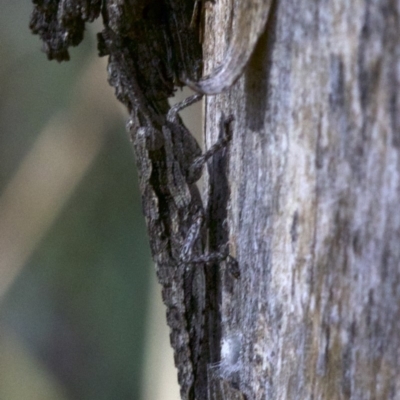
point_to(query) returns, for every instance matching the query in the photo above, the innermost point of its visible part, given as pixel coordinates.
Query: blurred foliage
(73, 307)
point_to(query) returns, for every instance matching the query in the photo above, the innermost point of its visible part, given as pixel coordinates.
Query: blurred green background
(81, 316)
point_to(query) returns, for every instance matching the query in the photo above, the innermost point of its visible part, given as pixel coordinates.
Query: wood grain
(315, 192)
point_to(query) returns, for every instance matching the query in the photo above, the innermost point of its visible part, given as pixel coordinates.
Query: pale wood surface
(314, 218)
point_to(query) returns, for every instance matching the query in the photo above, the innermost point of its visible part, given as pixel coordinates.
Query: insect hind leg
(196, 168)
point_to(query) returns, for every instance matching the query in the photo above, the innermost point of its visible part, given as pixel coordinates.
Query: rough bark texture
(314, 217)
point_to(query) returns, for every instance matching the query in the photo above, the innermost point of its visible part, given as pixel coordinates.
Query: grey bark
(314, 216)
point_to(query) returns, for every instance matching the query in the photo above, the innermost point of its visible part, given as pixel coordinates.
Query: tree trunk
(314, 216)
